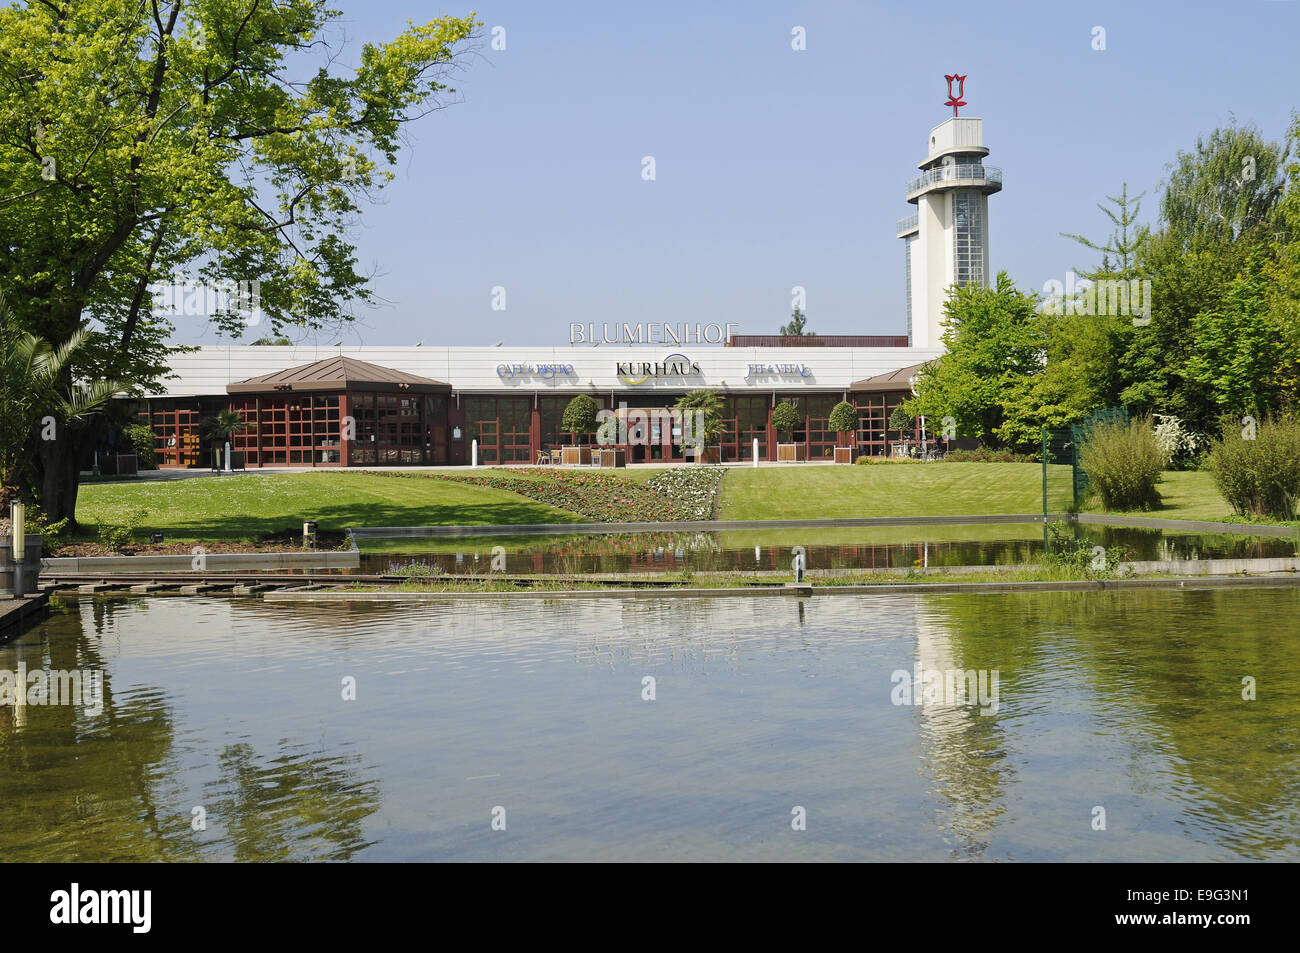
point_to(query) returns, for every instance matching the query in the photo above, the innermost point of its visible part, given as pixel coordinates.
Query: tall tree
(993, 339)
(1228, 185)
(217, 139)
(798, 325)
(1119, 254)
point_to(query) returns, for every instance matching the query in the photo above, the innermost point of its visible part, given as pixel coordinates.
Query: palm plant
(37, 396)
(220, 426)
(708, 404)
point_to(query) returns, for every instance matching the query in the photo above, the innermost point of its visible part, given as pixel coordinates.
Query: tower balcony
(908, 224)
(982, 178)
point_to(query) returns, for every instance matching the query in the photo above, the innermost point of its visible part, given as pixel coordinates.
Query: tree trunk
(60, 461)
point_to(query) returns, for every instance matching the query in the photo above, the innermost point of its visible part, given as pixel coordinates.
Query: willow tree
(221, 140)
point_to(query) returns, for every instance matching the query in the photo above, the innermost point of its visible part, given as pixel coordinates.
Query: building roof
(338, 373)
(900, 379)
(818, 340)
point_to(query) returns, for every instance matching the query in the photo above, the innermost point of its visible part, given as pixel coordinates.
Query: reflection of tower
(962, 748)
(947, 239)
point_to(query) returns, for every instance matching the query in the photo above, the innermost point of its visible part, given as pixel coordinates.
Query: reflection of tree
(293, 806)
(81, 787)
(1164, 667)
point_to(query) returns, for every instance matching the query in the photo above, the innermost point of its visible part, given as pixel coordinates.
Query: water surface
(1130, 701)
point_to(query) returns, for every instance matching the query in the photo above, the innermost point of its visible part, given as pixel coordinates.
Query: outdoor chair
(543, 458)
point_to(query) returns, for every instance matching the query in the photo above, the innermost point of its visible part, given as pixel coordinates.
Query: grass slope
(245, 506)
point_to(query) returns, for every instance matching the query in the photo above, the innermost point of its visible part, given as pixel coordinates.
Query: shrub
(881, 461)
(843, 418)
(1259, 477)
(116, 537)
(50, 532)
(987, 455)
(1079, 555)
(901, 420)
(1124, 462)
(141, 440)
(786, 419)
(580, 415)
(1181, 445)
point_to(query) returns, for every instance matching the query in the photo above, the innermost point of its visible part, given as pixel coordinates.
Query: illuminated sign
(638, 372)
(544, 371)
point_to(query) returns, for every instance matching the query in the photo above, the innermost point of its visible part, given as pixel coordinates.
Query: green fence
(1061, 445)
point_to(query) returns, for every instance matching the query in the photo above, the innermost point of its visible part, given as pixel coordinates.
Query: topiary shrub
(1124, 463)
(1257, 468)
(786, 419)
(580, 416)
(901, 420)
(843, 418)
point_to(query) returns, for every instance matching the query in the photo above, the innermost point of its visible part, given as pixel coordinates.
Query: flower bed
(681, 493)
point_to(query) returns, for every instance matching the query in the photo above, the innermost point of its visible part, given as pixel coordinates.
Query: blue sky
(774, 167)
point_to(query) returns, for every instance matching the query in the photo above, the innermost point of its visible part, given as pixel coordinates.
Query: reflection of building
(962, 747)
(947, 239)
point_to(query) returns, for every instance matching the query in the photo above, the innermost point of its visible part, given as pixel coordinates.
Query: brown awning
(900, 379)
(338, 373)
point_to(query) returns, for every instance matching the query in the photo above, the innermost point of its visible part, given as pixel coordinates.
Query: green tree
(1229, 185)
(1236, 346)
(1119, 255)
(785, 419)
(580, 416)
(36, 399)
(993, 339)
(798, 325)
(219, 141)
(843, 418)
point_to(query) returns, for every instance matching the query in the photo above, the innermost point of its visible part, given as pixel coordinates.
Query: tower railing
(973, 172)
(908, 223)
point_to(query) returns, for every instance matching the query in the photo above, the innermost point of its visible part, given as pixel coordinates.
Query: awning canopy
(336, 374)
(900, 379)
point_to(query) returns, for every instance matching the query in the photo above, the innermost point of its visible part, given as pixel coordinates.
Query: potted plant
(905, 424)
(579, 418)
(608, 452)
(218, 429)
(843, 420)
(707, 425)
(786, 420)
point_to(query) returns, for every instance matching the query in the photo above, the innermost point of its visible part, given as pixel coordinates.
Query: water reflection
(1128, 700)
(826, 549)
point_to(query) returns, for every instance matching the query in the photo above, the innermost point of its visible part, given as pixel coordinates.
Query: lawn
(932, 489)
(939, 489)
(245, 506)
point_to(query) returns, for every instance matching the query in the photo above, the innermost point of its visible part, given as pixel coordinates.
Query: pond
(902, 547)
(221, 731)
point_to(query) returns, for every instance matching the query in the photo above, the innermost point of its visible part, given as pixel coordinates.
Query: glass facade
(907, 257)
(967, 238)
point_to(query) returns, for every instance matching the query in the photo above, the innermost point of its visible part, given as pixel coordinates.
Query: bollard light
(18, 523)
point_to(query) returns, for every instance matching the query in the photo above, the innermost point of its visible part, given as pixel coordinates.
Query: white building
(947, 239)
